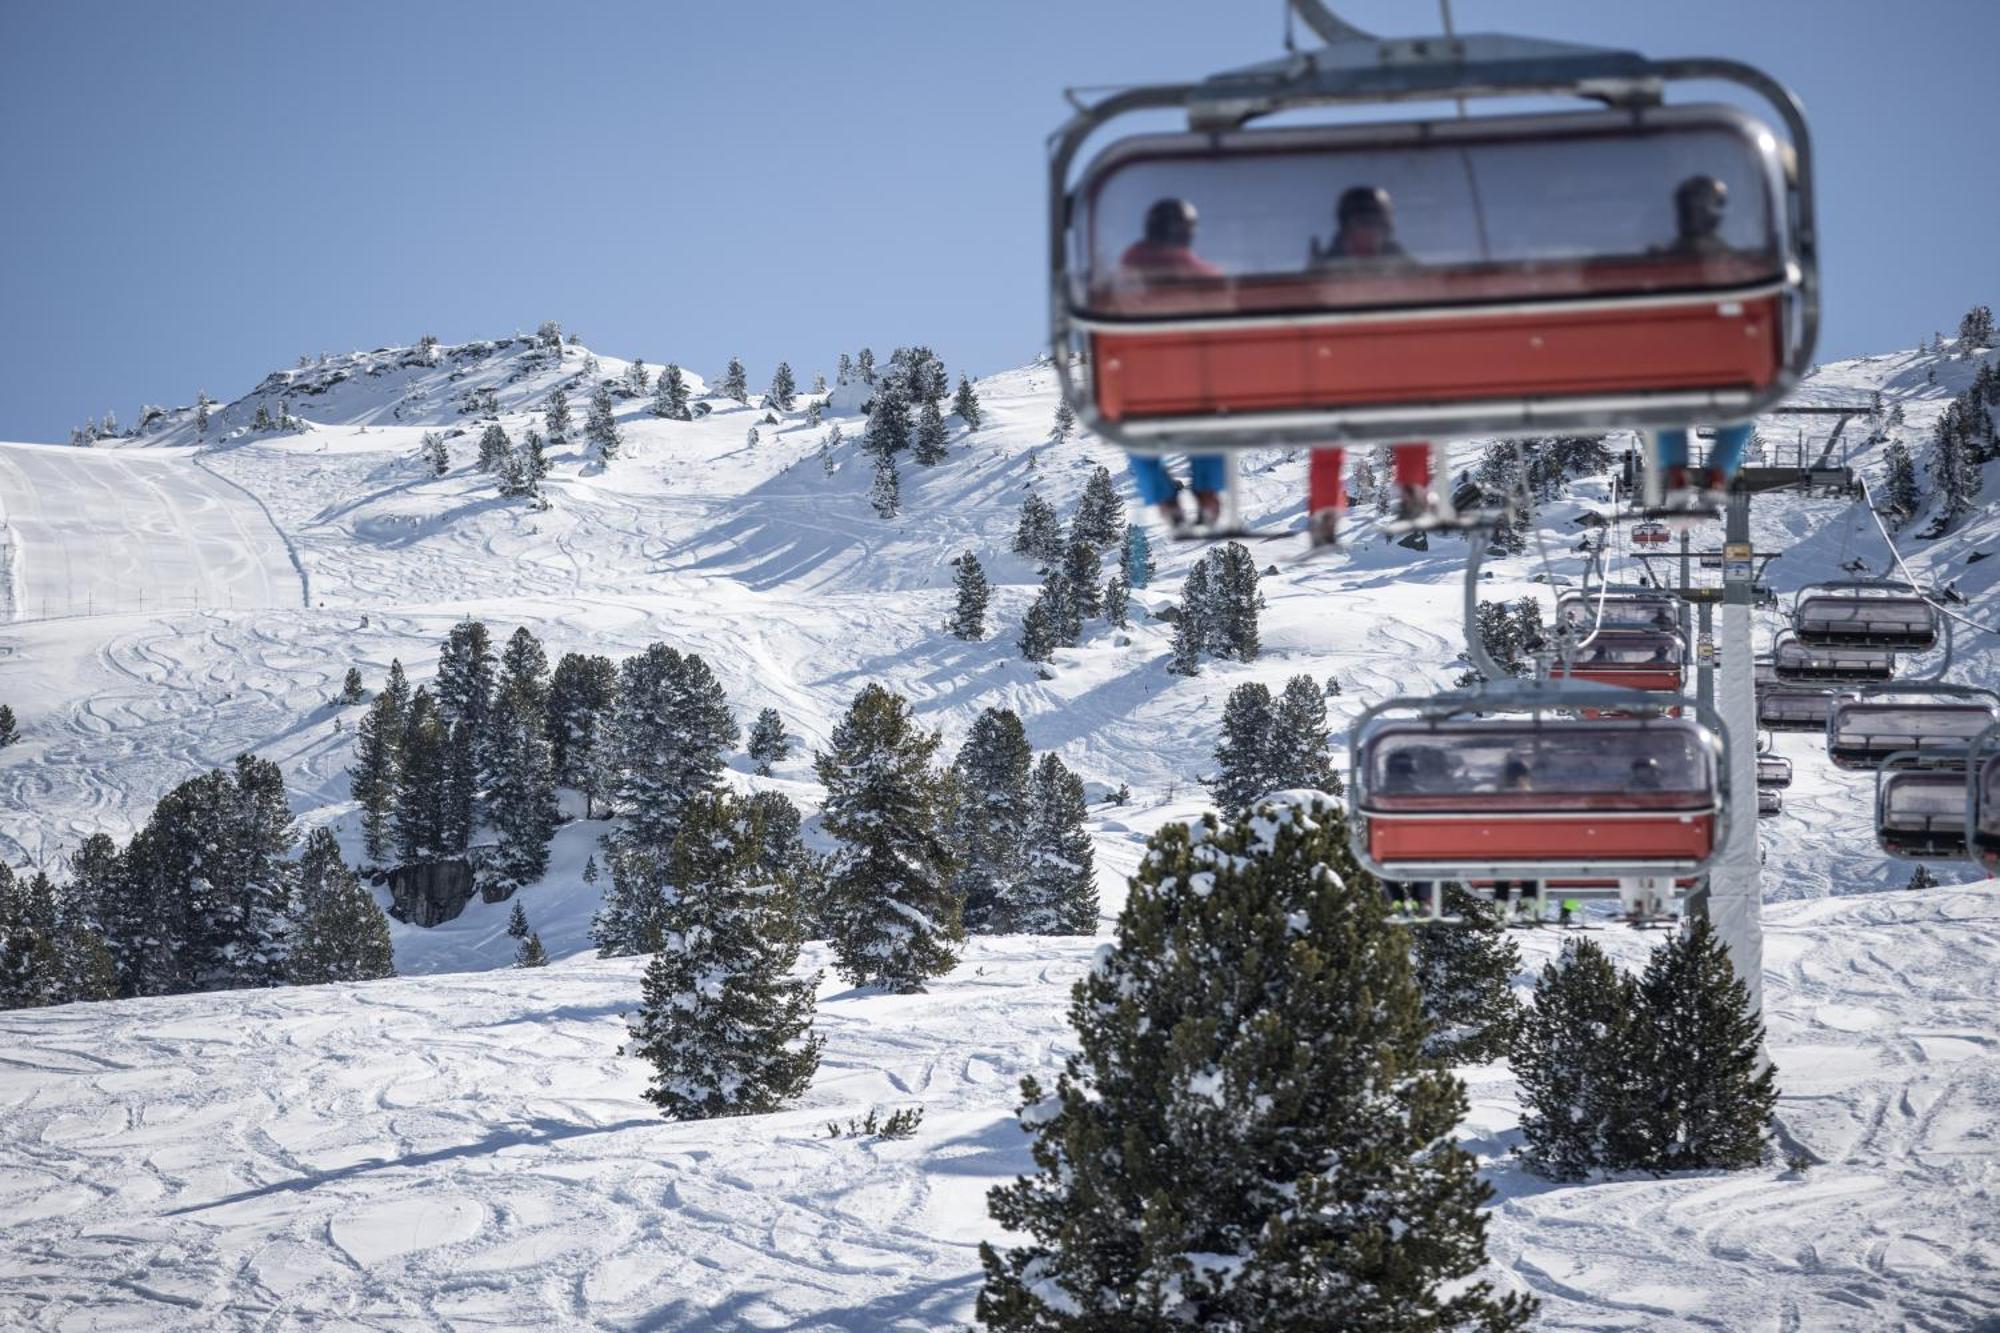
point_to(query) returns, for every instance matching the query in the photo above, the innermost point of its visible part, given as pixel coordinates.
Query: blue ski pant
(1156, 484)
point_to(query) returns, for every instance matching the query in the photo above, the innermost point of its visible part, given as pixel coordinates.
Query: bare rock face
(430, 893)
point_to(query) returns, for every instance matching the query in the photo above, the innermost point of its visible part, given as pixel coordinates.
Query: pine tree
(600, 426)
(1299, 752)
(340, 933)
(1243, 757)
(968, 617)
(1954, 468)
(9, 729)
(632, 914)
(1081, 569)
(1465, 969)
(889, 418)
(1702, 1095)
(1064, 424)
(843, 369)
(1100, 514)
(816, 410)
(1191, 625)
(1058, 597)
(819, 382)
(436, 453)
(1139, 568)
(423, 814)
(1232, 604)
(1903, 498)
(377, 771)
(724, 1024)
(1569, 1058)
(582, 693)
(768, 742)
(520, 779)
(1248, 1135)
(1976, 328)
(517, 922)
(534, 458)
(965, 405)
(351, 689)
(784, 390)
(494, 448)
(670, 395)
(531, 953)
(1922, 878)
(636, 377)
(556, 421)
(670, 731)
(515, 481)
(896, 921)
(864, 365)
(990, 816)
(1038, 535)
(396, 686)
(736, 384)
(885, 494)
(1041, 630)
(1117, 601)
(929, 448)
(1058, 893)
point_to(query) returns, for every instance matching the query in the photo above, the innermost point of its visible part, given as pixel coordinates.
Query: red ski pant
(1325, 490)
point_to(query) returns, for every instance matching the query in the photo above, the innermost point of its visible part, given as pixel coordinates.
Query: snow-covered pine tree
(422, 819)
(896, 921)
(590, 874)
(735, 383)
(517, 922)
(889, 418)
(843, 370)
(750, 440)
(989, 821)
(637, 378)
(531, 953)
(9, 729)
(1081, 569)
(1364, 484)
(1064, 424)
(1248, 1135)
(819, 382)
(494, 448)
(27, 942)
(1139, 568)
(1300, 750)
(671, 728)
(556, 419)
(1058, 890)
(352, 691)
(1569, 1058)
(815, 412)
(375, 776)
(965, 404)
(534, 457)
(465, 676)
(784, 391)
(1233, 603)
(1100, 514)
(1191, 623)
(1975, 328)
(1038, 535)
(1701, 1093)
(515, 482)
(1903, 498)
(1954, 469)
(1061, 601)
(339, 933)
(1465, 969)
(885, 493)
(768, 742)
(1921, 878)
(436, 453)
(723, 1022)
(1243, 756)
(600, 425)
(968, 616)
(1041, 630)
(632, 915)
(670, 395)
(1117, 600)
(929, 447)
(864, 365)
(582, 694)
(520, 773)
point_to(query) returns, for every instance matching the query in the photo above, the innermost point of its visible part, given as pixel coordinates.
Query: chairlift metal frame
(1823, 675)
(1900, 766)
(1356, 69)
(1926, 689)
(1889, 590)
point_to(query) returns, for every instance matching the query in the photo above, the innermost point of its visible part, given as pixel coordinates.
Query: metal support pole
(1704, 674)
(1734, 903)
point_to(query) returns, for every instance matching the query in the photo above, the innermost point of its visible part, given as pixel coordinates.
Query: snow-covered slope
(449, 1148)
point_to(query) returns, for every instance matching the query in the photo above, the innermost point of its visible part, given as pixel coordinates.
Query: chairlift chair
(1631, 609)
(1770, 801)
(1774, 772)
(1793, 708)
(1864, 613)
(1651, 533)
(1865, 728)
(1982, 799)
(1792, 660)
(1639, 659)
(1510, 782)
(1921, 805)
(1541, 279)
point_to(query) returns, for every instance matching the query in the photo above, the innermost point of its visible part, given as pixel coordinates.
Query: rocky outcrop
(431, 893)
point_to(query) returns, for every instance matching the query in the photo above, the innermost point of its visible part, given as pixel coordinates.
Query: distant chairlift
(1921, 805)
(1651, 533)
(1770, 801)
(1580, 610)
(1983, 799)
(1793, 708)
(1865, 729)
(1864, 614)
(1794, 661)
(1638, 659)
(1774, 772)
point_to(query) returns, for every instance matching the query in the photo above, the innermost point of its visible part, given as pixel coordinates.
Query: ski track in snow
(468, 1150)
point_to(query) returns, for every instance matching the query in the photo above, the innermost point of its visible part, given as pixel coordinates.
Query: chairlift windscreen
(1879, 724)
(1794, 706)
(1989, 798)
(1620, 612)
(1866, 614)
(1632, 650)
(1357, 217)
(1916, 800)
(1797, 656)
(1537, 762)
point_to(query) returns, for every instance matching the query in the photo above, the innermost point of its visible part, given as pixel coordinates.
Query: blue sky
(199, 193)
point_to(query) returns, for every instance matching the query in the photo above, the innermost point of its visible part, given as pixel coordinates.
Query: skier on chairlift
(1165, 254)
(1365, 233)
(1699, 202)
